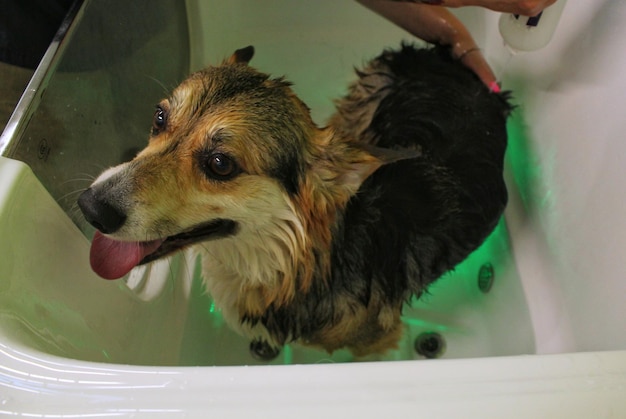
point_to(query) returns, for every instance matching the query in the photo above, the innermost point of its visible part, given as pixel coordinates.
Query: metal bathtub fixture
(532, 322)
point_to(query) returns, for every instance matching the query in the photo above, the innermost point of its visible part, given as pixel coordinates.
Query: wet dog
(308, 234)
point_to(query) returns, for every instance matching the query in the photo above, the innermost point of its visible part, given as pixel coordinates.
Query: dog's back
(413, 220)
(444, 204)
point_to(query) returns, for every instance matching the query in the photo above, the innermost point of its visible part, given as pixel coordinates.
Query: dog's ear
(368, 159)
(242, 56)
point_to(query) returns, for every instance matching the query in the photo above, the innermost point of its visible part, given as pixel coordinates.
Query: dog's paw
(263, 351)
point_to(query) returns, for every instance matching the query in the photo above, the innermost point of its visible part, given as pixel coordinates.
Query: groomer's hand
(437, 25)
(521, 7)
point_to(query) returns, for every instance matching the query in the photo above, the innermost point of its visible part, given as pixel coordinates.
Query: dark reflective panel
(93, 105)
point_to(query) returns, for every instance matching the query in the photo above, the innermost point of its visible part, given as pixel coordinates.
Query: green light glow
(410, 321)
(287, 355)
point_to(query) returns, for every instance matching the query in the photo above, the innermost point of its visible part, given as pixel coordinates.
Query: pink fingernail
(494, 87)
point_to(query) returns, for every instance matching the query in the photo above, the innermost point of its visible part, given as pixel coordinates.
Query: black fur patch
(413, 220)
(233, 80)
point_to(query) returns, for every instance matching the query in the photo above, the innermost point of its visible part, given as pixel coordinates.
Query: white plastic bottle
(523, 33)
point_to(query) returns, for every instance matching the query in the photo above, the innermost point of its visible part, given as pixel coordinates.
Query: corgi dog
(308, 234)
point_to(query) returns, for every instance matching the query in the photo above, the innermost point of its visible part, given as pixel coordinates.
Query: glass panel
(90, 102)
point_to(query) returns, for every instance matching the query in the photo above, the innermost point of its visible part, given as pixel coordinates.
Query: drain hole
(430, 345)
(485, 277)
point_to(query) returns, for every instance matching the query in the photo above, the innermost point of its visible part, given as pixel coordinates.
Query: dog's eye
(159, 121)
(221, 167)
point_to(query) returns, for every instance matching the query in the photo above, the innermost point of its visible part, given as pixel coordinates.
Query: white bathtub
(547, 340)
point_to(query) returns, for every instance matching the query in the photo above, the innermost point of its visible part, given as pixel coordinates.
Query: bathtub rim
(565, 385)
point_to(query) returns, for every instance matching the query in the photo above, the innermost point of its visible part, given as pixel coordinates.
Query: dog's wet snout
(99, 213)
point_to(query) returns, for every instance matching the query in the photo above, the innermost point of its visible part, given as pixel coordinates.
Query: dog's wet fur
(308, 234)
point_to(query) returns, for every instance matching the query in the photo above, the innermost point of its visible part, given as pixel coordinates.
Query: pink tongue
(112, 259)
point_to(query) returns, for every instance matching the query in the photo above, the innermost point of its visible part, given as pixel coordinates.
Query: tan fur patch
(374, 329)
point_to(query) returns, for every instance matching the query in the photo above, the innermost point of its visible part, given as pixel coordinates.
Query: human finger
(437, 25)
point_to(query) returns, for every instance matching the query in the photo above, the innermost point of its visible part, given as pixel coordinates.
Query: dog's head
(232, 152)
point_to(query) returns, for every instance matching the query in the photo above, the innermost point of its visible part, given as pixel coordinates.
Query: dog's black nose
(100, 213)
